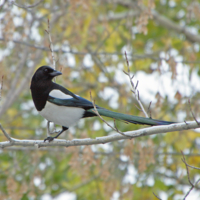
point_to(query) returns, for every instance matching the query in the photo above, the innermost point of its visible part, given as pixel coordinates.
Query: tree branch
(101, 140)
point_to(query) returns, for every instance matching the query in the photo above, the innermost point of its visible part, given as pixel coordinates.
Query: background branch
(160, 19)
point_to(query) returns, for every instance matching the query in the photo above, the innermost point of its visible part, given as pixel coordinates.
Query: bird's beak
(55, 73)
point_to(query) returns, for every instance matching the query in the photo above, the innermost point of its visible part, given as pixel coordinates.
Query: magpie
(59, 105)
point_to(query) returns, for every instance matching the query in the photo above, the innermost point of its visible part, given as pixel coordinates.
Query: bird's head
(45, 73)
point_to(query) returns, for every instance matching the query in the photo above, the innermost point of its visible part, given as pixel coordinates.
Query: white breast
(62, 115)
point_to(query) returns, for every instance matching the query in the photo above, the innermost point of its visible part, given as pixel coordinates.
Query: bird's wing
(71, 102)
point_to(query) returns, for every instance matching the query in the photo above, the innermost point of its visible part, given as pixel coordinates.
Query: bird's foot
(49, 139)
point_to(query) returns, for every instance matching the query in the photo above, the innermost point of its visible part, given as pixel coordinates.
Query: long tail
(129, 118)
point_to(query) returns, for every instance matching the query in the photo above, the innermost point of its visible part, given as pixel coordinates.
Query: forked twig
(188, 172)
(192, 187)
(183, 159)
(97, 113)
(134, 87)
(188, 175)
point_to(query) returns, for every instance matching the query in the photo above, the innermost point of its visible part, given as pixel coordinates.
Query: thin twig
(157, 196)
(183, 159)
(134, 88)
(193, 113)
(185, 122)
(136, 83)
(138, 107)
(191, 166)
(97, 113)
(119, 130)
(149, 109)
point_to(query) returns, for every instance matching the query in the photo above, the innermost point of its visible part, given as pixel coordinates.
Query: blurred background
(89, 37)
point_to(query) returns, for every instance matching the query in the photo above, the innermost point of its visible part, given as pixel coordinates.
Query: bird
(59, 105)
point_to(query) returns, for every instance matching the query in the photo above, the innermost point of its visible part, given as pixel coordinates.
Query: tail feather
(130, 118)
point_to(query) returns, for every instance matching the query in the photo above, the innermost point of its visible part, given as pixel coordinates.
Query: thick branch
(102, 140)
(160, 19)
(167, 23)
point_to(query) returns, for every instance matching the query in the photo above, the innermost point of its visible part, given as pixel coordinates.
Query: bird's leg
(49, 131)
(54, 128)
(49, 138)
(48, 128)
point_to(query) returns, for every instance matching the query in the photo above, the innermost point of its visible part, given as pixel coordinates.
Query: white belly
(62, 115)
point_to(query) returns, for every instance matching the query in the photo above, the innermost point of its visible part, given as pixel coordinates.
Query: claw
(49, 139)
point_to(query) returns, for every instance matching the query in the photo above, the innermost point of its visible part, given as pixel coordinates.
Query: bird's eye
(46, 70)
